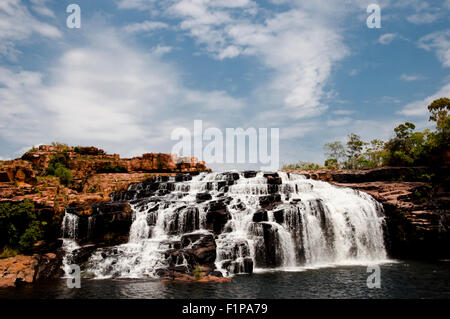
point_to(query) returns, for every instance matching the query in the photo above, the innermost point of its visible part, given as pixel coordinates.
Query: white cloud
(18, 24)
(423, 18)
(387, 38)
(343, 112)
(145, 26)
(107, 93)
(339, 121)
(298, 130)
(410, 77)
(40, 7)
(299, 47)
(161, 50)
(419, 108)
(390, 99)
(440, 42)
(136, 4)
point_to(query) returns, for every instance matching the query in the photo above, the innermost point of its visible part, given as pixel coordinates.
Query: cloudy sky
(137, 69)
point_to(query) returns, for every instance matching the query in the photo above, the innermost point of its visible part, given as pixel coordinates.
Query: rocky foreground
(416, 201)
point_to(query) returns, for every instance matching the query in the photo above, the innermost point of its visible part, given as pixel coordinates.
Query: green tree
(19, 226)
(439, 113)
(408, 148)
(331, 163)
(334, 151)
(354, 151)
(375, 153)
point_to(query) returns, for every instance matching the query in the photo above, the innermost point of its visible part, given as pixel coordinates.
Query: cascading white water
(311, 223)
(69, 228)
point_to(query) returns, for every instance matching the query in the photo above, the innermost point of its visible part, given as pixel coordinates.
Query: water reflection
(399, 280)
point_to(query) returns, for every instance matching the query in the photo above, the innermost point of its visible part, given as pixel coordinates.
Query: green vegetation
(307, 166)
(58, 166)
(407, 148)
(61, 146)
(355, 154)
(198, 272)
(19, 228)
(8, 252)
(112, 169)
(79, 150)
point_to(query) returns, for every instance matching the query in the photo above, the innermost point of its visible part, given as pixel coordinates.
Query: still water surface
(403, 279)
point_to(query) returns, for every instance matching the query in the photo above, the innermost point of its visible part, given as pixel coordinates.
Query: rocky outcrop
(15, 271)
(96, 175)
(416, 201)
(85, 161)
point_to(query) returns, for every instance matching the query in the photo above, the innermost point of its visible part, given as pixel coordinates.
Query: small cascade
(70, 226)
(255, 220)
(69, 232)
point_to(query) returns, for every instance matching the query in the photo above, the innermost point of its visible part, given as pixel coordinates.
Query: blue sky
(137, 69)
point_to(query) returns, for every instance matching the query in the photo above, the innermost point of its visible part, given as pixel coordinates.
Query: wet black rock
(260, 216)
(250, 174)
(197, 249)
(268, 245)
(202, 197)
(217, 216)
(269, 201)
(272, 180)
(279, 216)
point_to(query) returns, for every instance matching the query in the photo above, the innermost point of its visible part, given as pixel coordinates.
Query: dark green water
(403, 279)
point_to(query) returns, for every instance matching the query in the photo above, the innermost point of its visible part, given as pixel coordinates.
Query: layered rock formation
(416, 201)
(95, 176)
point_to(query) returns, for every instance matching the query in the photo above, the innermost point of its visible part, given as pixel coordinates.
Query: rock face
(416, 201)
(22, 269)
(107, 223)
(195, 250)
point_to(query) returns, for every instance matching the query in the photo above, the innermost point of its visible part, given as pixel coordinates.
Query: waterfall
(259, 220)
(69, 225)
(69, 230)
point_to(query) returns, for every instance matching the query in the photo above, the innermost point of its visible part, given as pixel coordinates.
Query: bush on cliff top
(19, 227)
(58, 166)
(307, 166)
